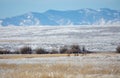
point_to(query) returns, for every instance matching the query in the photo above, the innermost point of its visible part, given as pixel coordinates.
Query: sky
(10, 8)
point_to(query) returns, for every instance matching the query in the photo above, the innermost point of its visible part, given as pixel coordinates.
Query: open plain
(95, 65)
(94, 38)
(103, 40)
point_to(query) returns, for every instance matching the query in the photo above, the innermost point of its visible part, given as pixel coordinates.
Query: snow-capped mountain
(86, 16)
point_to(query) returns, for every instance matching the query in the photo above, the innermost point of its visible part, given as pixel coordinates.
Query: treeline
(75, 49)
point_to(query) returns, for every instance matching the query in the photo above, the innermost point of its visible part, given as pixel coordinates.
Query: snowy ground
(95, 38)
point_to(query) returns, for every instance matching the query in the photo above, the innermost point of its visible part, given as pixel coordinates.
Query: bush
(16, 52)
(5, 52)
(118, 49)
(1, 52)
(63, 49)
(26, 50)
(41, 51)
(54, 51)
(75, 48)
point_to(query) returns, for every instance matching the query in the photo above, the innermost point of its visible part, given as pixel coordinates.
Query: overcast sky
(9, 8)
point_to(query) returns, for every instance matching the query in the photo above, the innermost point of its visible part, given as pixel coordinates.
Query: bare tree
(118, 49)
(41, 51)
(63, 49)
(54, 51)
(75, 49)
(26, 50)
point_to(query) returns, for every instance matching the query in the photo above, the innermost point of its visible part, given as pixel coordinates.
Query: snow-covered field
(95, 38)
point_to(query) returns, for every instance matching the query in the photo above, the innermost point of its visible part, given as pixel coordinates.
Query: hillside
(102, 16)
(94, 38)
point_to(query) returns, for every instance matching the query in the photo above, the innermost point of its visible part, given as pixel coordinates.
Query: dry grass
(7, 66)
(109, 69)
(18, 56)
(56, 71)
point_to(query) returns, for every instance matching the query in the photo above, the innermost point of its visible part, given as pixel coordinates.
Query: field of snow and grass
(95, 38)
(96, 65)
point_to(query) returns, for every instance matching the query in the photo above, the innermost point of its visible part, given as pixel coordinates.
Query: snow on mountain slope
(103, 16)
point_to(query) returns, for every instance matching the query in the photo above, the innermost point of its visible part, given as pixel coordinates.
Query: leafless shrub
(41, 51)
(63, 49)
(5, 52)
(16, 52)
(54, 51)
(75, 49)
(118, 49)
(1, 52)
(26, 50)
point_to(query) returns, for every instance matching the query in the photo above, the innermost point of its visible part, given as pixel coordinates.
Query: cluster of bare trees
(73, 49)
(5, 52)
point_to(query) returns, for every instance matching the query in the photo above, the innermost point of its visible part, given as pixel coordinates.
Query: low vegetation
(5, 52)
(57, 71)
(54, 51)
(28, 50)
(41, 51)
(98, 65)
(63, 49)
(118, 49)
(73, 49)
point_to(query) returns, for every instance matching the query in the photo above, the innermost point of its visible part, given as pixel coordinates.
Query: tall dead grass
(18, 56)
(55, 70)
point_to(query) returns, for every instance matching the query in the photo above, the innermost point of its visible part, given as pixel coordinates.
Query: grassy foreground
(59, 70)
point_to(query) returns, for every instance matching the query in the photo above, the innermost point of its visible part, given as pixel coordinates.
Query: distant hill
(103, 16)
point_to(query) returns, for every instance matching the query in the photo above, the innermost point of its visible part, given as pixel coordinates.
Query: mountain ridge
(87, 16)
